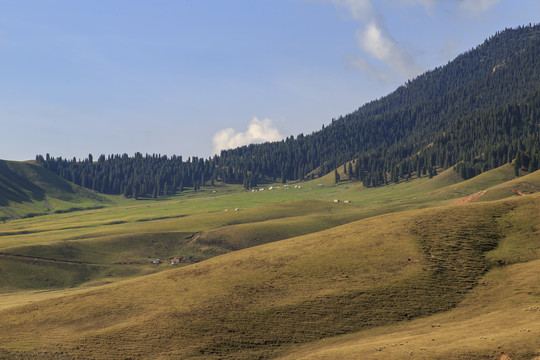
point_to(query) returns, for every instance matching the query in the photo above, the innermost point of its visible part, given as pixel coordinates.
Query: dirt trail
(469, 198)
(37, 258)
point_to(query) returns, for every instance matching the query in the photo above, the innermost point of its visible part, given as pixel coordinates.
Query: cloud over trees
(258, 131)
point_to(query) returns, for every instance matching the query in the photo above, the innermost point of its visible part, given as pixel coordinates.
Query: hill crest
(28, 190)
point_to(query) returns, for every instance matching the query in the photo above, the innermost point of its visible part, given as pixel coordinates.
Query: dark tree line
(149, 175)
(478, 112)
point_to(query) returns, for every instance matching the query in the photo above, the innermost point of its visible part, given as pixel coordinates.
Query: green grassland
(291, 273)
(195, 226)
(30, 190)
(123, 237)
(266, 300)
(210, 203)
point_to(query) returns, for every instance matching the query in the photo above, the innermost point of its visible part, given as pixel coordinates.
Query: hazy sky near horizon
(189, 77)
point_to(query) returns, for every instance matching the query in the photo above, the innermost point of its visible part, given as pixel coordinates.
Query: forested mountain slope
(492, 89)
(479, 111)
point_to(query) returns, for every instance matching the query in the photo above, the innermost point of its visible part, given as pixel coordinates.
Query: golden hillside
(265, 301)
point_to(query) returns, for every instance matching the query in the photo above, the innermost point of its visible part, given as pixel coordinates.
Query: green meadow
(427, 268)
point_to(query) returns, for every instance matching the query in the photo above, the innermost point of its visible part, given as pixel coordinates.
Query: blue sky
(191, 77)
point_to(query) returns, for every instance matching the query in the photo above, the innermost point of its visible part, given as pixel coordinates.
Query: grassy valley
(291, 273)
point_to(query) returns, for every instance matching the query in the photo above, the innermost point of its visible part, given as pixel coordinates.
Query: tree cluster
(134, 176)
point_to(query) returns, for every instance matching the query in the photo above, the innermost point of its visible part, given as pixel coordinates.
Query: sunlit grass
(393, 254)
(265, 301)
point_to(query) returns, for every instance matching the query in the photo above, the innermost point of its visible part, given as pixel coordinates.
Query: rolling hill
(266, 300)
(71, 249)
(434, 267)
(29, 190)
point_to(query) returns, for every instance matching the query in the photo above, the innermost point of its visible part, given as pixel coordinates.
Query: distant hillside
(28, 190)
(479, 112)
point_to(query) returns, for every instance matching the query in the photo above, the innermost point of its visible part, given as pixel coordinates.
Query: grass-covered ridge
(127, 248)
(501, 315)
(29, 190)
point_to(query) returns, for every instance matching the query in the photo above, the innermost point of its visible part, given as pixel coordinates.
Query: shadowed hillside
(29, 190)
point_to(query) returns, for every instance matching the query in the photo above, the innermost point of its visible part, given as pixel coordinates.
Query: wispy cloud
(258, 131)
(382, 56)
(375, 40)
(425, 3)
(376, 72)
(429, 5)
(358, 9)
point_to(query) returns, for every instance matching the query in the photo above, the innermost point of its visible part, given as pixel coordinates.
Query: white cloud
(258, 131)
(375, 40)
(382, 56)
(372, 40)
(477, 6)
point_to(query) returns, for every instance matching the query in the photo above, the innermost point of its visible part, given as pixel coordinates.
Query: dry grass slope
(265, 301)
(90, 252)
(501, 316)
